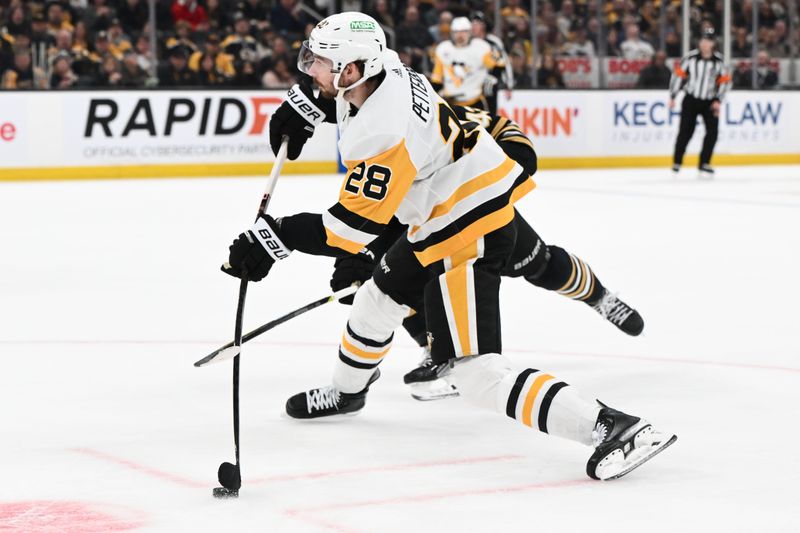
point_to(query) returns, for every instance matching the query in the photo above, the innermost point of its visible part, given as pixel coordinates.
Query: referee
(705, 78)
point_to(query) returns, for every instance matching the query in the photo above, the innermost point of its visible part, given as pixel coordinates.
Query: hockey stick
(229, 475)
(229, 350)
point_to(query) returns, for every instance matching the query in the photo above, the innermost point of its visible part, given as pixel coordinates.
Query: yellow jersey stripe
(472, 186)
(340, 242)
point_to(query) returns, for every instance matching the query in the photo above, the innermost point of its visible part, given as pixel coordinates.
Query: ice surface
(111, 290)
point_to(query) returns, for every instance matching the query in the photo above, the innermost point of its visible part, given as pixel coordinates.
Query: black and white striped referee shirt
(704, 79)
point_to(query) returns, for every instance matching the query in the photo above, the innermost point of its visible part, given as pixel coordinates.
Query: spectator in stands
(132, 74)
(118, 42)
(218, 17)
(191, 12)
(382, 12)
(21, 74)
(612, 49)
(98, 17)
(672, 44)
(62, 76)
(80, 38)
(413, 34)
(548, 76)
(656, 75)
(6, 52)
(56, 19)
(774, 46)
(766, 77)
(208, 74)
(245, 74)
(240, 44)
(144, 56)
(276, 49)
(578, 44)
(279, 76)
(633, 47)
(566, 18)
(522, 73)
(741, 46)
(181, 39)
(254, 10)
(132, 14)
(109, 73)
(100, 48)
(223, 63)
(286, 16)
(176, 73)
(17, 23)
(512, 13)
(40, 36)
(441, 31)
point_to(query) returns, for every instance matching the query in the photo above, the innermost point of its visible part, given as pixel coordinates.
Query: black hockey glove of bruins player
(356, 268)
(255, 251)
(296, 118)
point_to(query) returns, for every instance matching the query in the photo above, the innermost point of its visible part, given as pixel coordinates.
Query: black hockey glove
(356, 268)
(295, 118)
(256, 250)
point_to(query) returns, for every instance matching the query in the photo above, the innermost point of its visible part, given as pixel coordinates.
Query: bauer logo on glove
(254, 252)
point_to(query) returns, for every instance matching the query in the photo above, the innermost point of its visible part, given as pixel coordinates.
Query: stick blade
(229, 476)
(219, 356)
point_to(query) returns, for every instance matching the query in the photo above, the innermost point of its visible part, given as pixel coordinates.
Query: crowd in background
(253, 43)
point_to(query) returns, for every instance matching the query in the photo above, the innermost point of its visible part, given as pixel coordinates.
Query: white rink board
(640, 123)
(114, 130)
(93, 128)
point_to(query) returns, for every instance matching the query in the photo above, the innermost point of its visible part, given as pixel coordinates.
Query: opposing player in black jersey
(547, 266)
(702, 74)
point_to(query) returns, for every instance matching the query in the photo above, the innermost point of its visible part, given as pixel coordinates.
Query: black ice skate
(705, 172)
(426, 382)
(625, 317)
(622, 443)
(327, 401)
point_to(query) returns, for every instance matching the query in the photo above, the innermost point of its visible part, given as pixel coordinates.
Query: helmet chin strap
(341, 90)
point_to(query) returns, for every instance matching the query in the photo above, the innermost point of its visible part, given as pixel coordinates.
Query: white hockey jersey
(463, 70)
(407, 155)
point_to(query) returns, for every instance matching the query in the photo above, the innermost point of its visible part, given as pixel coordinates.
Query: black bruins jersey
(502, 129)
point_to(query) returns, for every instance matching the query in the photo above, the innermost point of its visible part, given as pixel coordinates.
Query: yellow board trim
(665, 161)
(330, 167)
(163, 171)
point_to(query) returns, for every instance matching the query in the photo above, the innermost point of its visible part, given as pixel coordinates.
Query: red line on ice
(152, 472)
(387, 468)
(306, 513)
(543, 351)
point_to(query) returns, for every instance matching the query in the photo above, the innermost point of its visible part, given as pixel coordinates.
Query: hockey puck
(222, 492)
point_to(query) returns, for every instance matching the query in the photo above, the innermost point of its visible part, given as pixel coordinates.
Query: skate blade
(646, 453)
(427, 391)
(320, 419)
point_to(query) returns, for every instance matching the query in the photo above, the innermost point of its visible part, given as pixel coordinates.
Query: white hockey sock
(535, 398)
(367, 337)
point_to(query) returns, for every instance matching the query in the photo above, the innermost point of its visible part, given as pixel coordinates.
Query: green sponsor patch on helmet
(362, 25)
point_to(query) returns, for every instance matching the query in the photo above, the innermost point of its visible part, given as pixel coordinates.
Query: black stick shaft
(238, 342)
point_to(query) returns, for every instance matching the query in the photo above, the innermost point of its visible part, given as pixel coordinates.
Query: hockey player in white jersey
(464, 66)
(409, 157)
